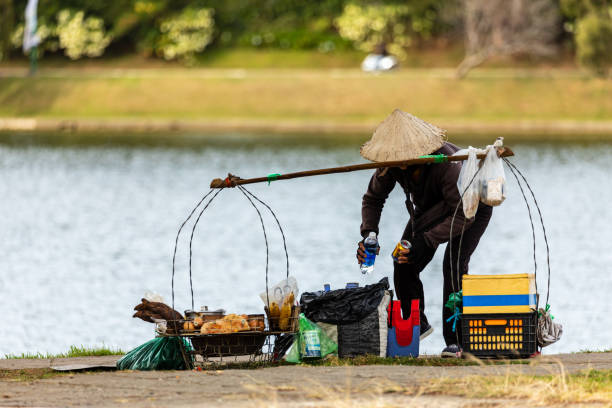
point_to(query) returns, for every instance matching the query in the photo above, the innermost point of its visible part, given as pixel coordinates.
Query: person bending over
(431, 199)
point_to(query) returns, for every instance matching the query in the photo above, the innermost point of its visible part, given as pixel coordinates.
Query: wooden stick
(233, 181)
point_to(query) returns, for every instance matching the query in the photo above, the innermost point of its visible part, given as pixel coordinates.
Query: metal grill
(262, 343)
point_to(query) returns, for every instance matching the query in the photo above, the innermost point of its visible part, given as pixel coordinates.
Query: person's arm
(381, 185)
(447, 177)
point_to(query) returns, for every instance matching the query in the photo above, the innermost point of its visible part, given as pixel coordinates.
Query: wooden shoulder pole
(233, 181)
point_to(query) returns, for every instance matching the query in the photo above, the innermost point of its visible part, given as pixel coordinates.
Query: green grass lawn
(74, 351)
(228, 58)
(301, 95)
(589, 386)
(427, 56)
(274, 58)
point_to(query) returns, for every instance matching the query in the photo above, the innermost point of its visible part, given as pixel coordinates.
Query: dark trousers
(408, 283)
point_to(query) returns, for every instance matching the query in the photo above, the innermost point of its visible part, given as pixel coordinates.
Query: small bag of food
(278, 292)
(492, 178)
(468, 185)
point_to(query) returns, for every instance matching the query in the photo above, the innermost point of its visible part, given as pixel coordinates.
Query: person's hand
(403, 256)
(414, 254)
(361, 255)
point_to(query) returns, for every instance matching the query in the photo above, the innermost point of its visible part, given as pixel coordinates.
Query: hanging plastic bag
(161, 353)
(468, 185)
(492, 178)
(279, 291)
(310, 342)
(548, 331)
(153, 297)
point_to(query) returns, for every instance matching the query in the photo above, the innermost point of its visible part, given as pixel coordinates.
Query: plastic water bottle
(371, 246)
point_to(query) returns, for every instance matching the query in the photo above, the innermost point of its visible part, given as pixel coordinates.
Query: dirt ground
(286, 386)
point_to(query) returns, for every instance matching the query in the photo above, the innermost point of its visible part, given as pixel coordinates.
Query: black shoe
(453, 351)
(426, 330)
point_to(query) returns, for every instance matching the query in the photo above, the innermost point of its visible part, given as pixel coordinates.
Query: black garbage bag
(362, 337)
(360, 315)
(343, 305)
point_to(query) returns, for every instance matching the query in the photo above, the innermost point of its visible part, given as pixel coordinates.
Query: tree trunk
(7, 17)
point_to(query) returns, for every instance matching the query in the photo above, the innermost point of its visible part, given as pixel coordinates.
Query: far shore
(153, 129)
(527, 104)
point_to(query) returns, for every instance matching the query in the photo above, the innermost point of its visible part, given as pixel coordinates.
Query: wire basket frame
(258, 339)
(514, 170)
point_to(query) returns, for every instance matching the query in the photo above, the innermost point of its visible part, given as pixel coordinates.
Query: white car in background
(379, 62)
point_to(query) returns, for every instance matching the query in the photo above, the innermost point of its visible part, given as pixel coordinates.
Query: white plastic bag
(278, 292)
(153, 297)
(492, 179)
(468, 185)
(548, 331)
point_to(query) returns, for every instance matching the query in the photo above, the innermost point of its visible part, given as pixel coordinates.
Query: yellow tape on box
(513, 293)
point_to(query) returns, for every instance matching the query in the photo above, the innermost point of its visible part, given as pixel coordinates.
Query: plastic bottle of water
(371, 246)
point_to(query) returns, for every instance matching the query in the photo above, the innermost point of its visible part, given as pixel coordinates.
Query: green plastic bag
(161, 353)
(310, 342)
(454, 303)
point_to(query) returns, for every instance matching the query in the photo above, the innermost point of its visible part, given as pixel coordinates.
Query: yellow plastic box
(514, 293)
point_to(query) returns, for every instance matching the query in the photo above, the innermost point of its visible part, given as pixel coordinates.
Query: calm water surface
(87, 230)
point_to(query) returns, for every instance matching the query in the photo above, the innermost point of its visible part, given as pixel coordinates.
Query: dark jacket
(431, 198)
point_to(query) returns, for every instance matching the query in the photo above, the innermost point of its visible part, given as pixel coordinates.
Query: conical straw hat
(402, 136)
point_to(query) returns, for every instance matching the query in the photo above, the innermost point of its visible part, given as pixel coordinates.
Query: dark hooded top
(431, 198)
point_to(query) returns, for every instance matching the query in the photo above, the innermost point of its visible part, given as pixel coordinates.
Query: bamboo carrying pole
(233, 181)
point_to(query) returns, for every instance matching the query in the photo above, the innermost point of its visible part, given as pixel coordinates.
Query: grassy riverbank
(547, 380)
(74, 351)
(309, 99)
(589, 386)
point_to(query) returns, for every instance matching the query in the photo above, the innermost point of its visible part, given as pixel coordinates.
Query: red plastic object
(403, 328)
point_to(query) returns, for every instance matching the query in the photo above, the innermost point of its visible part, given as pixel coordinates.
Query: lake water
(87, 229)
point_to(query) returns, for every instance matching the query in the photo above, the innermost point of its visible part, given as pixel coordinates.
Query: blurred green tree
(7, 19)
(185, 34)
(594, 42)
(287, 24)
(79, 36)
(70, 31)
(590, 23)
(395, 25)
(135, 25)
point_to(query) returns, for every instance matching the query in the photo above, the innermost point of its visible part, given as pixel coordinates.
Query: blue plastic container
(403, 337)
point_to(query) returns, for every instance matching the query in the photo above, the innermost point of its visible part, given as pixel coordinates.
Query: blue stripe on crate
(499, 300)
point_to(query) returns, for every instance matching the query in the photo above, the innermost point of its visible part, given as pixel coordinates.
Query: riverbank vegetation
(74, 351)
(590, 386)
(346, 96)
(293, 66)
(29, 374)
(189, 31)
(422, 361)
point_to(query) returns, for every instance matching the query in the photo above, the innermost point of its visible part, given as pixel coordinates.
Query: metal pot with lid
(208, 315)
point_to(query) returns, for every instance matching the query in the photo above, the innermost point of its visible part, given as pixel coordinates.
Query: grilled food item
(212, 327)
(285, 312)
(148, 311)
(273, 315)
(274, 310)
(142, 315)
(256, 322)
(231, 323)
(237, 322)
